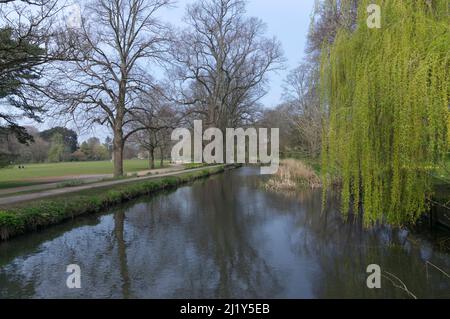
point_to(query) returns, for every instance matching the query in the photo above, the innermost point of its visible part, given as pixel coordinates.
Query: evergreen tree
(70, 137)
(18, 61)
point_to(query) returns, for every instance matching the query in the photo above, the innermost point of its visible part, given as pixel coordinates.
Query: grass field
(14, 177)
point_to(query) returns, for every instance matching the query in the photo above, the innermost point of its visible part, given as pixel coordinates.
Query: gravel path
(10, 200)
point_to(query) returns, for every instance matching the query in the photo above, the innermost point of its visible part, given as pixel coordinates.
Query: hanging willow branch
(387, 95)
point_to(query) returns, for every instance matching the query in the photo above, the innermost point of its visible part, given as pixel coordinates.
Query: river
(223, 237)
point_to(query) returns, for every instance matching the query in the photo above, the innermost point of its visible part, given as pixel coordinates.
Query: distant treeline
(58, 144)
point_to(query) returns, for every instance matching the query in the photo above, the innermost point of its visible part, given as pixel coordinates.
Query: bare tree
(154, 125)
(301, 94)
(118, 41)
(329, 17)
(301, 108)
(37, 2)
(222, 61)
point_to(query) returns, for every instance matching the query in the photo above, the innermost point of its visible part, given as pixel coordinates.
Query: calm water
(223, 237)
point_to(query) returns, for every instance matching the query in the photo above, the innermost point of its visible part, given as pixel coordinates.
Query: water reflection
(224, 237)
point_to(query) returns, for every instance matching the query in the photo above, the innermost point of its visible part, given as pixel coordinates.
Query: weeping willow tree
(386, 92)
(448, 132)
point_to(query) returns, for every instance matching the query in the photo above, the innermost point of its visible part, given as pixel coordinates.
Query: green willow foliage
(387, 95)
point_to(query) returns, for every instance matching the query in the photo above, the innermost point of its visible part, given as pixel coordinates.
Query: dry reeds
(293, 175)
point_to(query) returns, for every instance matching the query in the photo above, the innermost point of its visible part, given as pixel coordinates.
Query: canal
(224, 237)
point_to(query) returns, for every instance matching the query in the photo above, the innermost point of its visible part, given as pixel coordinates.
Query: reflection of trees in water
(199, 243)
(343, 273)
(14, 286)
(343, 250)
(119, 221)
(227, 221)
(42, 272)
(209, 241)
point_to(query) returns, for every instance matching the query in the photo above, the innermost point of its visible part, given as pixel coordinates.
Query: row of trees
(379, 134)
(58, 145)
(217, 72)
(102, 72)
(301, 116)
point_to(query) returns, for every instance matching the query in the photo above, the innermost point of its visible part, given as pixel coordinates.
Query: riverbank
(36, 174)
(258, 244)
(40, 214)
(75, 186)
(298, 174)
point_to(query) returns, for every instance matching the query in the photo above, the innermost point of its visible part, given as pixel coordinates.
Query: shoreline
(41, 214)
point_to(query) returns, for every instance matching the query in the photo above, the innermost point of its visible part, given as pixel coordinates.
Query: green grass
(195, 165)
(73, 183)
(43, 213)
(11, 177)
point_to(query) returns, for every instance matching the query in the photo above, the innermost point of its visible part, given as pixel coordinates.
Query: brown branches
(222, 60)
(105, 77)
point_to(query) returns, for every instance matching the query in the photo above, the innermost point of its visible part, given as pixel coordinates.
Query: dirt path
(175, 170)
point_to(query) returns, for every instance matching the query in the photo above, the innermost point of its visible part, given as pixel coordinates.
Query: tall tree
(29, 40)
(388, 96)
(301, 93)
(15, 58)
(222, 61)
(301, 108)
(58, 151)
(328, 18)
(118, 41)
(70, 137)
(94, 150)
(158, 120)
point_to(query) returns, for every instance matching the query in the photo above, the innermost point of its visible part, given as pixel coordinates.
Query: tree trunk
(119, 222)
(162, 157)
(118, 153)
(151, 158)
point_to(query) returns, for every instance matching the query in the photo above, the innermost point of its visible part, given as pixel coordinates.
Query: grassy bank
(35, 173)
(40, 214)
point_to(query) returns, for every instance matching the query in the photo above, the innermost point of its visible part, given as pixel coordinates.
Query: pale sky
(288, 20)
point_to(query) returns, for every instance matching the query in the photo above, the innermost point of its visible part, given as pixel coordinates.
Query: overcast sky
(288, 20)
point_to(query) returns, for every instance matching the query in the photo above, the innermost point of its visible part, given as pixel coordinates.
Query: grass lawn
(14, 177)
